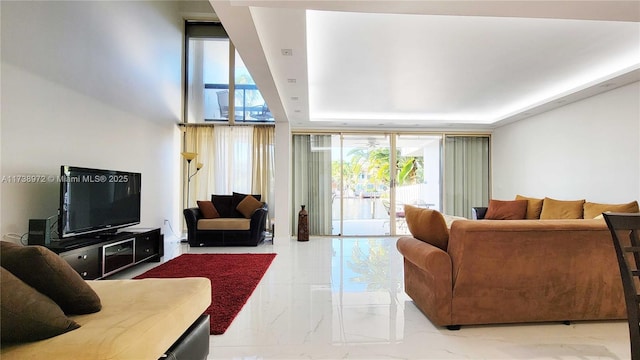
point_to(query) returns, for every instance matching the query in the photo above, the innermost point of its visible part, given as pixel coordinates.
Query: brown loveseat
(497, 271)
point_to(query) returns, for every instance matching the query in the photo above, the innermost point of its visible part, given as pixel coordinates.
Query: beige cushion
(506, 210)
(28, 315)
(224, 224)
(427, 225)
(592, 210)
(449, 219)
(140, 319)
(561, 209)
(248, 205)
(208, 210)
(48, 273)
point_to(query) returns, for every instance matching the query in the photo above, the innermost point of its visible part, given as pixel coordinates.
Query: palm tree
(374, 164)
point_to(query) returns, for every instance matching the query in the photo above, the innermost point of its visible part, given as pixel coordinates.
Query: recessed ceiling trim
(435, 68)
(261, 29)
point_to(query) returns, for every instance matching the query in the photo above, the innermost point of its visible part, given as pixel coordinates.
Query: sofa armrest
(428, 278)
(426, 256)
(259, 218)
(478, 212)
(191, 217)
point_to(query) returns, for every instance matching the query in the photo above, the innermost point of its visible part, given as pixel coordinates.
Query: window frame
(214, 30)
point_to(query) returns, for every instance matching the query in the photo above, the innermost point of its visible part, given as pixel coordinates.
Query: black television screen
(94, 200)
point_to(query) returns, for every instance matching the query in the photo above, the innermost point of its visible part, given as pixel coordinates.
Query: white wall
(585, 150)
(94, 84)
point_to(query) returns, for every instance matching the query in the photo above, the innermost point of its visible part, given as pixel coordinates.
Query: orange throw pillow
(248, 205)
(534, 206)
(208, 210)
(506, 210)
(427, 225)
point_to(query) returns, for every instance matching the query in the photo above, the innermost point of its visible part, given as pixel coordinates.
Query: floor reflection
(366, 282)
(343, 298)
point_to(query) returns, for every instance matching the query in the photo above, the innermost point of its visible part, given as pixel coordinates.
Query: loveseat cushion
(534, 206)
(223, 204)
(207, 209)
(48, 273)
(226, 204)
(506, 210)
(28, 315)
(427, 225)
(248, 205)
(224, 224)
(561, 209)
(592, 210)
(238, 197)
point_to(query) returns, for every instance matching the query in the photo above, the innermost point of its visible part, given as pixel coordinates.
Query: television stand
(96, 257)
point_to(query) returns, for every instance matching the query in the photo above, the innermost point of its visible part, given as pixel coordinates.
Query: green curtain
(466, 174)
(312, 182)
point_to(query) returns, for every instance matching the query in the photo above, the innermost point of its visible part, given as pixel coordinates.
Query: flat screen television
(95, 201)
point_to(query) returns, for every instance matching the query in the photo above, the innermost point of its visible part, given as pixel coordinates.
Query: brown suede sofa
(515, 271)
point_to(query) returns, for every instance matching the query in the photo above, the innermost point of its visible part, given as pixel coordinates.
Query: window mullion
(232, 84)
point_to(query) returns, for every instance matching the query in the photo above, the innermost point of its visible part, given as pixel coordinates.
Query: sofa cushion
(506, 210)
(141, 319)
(237, 198)
(48, 273)
(224, 224)
(592, 210)
(208, 210)
(223, 204)
(28, 315)
(226, 204)
(248, 205)
(534, 206)
(449, 219)
(427, 225)
(561, 209)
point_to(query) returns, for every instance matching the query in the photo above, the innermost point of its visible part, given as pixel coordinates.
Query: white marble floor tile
(343, 298)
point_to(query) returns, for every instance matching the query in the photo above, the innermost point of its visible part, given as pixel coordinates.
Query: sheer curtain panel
(312, 182)
(263, 163)
(466, 174)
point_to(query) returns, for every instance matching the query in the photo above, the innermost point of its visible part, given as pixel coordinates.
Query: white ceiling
(469, 65)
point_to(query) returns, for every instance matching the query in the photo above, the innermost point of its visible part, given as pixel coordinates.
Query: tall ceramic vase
(303, 225)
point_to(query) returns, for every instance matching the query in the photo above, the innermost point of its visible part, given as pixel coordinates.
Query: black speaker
(39, 232)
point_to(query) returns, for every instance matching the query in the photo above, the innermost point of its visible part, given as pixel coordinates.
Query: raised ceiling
(470, 65)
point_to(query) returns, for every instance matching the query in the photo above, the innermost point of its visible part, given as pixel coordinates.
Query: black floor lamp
(189, 156)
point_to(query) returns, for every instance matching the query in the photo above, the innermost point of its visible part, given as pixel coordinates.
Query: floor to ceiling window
(418, 181)
(227, 123)
(361, 181)
(365, 183)
(211, 94)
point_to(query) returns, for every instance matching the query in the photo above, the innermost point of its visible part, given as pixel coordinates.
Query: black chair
(625, 231)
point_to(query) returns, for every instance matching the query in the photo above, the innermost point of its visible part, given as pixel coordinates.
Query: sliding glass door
(358, 184)
(418, 177)
(365, 162)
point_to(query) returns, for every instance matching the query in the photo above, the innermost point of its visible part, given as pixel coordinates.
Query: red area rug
(233, 279)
